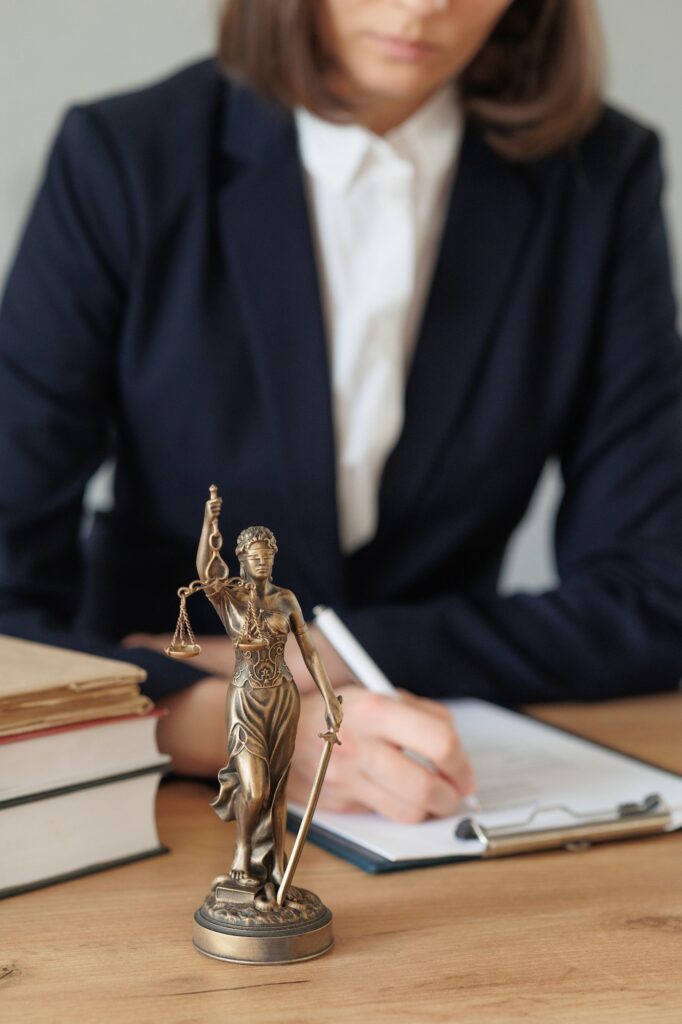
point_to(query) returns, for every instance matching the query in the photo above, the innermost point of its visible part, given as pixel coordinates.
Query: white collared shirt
(377, 207)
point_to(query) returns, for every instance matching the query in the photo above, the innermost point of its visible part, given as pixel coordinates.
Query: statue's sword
(330, 739)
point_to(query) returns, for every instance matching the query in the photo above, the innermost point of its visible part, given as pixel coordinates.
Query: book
(65, 756)
(79, 765)
(43, 686)
(539, 788)
(64, 833)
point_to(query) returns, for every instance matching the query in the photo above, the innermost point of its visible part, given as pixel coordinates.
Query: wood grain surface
(559, 937)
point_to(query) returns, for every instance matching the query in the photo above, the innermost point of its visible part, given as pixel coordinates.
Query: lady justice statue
(253, 914)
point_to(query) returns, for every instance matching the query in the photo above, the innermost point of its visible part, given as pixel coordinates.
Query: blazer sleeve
(59, 323)
(614, 625)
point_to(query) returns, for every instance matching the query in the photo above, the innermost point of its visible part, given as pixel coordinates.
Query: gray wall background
(57, 52)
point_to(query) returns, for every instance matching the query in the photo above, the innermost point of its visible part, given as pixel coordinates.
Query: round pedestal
(242, 934)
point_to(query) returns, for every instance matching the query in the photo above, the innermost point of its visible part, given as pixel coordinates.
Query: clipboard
(589, 794)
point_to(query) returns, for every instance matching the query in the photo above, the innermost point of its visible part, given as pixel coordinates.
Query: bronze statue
(261, 715)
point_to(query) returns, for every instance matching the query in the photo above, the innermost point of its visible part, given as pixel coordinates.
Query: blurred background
(53, 54)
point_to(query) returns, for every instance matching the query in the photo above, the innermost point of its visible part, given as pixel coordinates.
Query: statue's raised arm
(212, 570)
(210, 564)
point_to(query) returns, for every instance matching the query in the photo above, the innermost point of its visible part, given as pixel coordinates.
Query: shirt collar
(335, 154)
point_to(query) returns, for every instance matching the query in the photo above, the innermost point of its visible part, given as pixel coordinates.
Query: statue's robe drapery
(261, 716)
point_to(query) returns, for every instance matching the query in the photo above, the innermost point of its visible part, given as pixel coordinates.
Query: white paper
(524, 768)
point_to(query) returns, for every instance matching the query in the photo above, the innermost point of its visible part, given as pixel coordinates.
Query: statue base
(233, 927)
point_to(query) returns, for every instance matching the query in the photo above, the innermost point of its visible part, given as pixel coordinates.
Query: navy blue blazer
(164, 307)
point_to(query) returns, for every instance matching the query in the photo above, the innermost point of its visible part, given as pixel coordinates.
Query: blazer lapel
(266, 235)
(491, 210)
(267, 239)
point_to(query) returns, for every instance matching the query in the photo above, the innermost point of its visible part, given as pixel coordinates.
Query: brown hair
(534, 86)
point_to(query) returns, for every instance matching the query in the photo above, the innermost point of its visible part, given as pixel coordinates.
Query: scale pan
(188, 651)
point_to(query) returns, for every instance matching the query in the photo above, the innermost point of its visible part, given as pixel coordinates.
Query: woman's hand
(371, 771)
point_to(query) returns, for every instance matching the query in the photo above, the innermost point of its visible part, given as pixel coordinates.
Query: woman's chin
(402, 86)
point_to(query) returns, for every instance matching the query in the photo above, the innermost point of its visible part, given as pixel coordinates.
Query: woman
(262, 707)
(371, 309)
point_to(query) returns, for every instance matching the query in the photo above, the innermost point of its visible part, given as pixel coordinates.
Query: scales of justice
(254, 914)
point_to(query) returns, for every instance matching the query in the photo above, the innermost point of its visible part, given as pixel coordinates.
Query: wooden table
(593, 936)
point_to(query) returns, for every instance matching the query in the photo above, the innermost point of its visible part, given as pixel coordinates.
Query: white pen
(367, 672)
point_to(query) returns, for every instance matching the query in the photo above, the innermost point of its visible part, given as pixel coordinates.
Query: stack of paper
(532, 777)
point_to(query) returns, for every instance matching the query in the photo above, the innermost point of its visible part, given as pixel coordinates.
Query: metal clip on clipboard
(630, 820)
